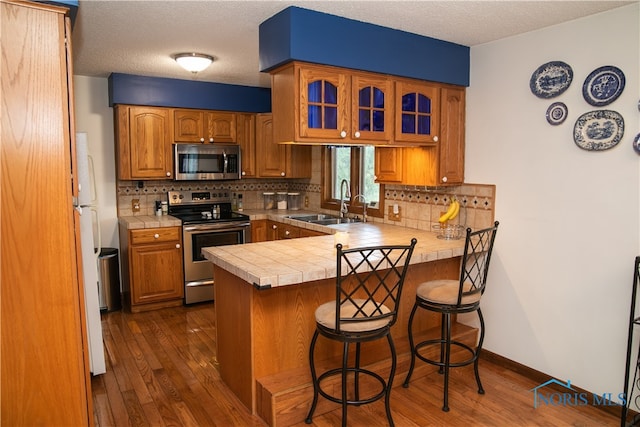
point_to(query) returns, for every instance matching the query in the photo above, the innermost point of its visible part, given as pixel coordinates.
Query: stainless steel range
(207, 220)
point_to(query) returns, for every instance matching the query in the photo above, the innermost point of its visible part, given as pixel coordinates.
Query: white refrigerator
(90, 226)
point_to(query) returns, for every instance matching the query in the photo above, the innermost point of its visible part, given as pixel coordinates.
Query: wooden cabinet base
(263, 336)
(284, 399)
(139, 308)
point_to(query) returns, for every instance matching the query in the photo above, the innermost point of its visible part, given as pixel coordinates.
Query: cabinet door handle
(286, 233)
(282, 173)
(177, 245)
(211, 140)
(243, 173)
(343, 134)
(357, 134)
(168, 173)
(444, 179)
(202, 140)
(274, 227)
(156, 236)
(435, 138)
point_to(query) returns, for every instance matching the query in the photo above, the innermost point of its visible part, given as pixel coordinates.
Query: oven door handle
(217, 227)
(226, 161)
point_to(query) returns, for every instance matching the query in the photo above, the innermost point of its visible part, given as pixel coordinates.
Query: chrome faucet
(343, 206)
(364, 206)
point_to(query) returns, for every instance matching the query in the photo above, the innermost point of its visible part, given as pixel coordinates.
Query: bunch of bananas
(452, 211)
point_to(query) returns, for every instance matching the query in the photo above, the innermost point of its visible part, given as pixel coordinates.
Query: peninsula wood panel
(264, 332)
(44, 372)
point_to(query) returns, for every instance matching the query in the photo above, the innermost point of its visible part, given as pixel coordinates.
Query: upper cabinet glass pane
(330, 93)
(424, 125)
(409, 102)
(364, 121)
(408, 123)
(315, 91)
(424, 104)
(330, 118)
(315, 117)
(365, 97)
(378, 98)
(378, 121)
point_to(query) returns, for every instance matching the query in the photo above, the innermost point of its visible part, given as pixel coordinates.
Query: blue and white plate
(636, 143)
(557, 113)
(551, 79)
(603, 86)
(598, 130)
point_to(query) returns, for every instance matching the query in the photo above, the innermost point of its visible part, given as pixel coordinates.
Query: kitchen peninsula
(266, 295)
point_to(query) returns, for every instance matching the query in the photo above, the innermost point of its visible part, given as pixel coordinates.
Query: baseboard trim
(541, 377)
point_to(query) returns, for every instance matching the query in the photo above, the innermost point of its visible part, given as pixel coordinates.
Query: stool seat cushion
(326, 316)
(445, 292)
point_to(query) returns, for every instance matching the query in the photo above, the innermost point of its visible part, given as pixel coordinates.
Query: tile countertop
(149, 221)
(289, 262)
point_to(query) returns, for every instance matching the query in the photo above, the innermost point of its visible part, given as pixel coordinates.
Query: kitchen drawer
(155, 235)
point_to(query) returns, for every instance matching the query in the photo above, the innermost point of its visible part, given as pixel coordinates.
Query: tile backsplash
(420, 206)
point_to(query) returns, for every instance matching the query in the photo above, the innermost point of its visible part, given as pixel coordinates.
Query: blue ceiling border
(297, 34)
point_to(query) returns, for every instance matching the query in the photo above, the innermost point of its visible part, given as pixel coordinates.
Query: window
(356, 166)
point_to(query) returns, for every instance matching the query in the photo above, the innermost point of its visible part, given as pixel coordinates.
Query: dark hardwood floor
(161, 371)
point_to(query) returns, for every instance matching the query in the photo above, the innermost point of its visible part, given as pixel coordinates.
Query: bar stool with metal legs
(368, 288)
(450, 297)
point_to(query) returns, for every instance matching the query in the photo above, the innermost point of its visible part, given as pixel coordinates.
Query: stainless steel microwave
(197, 162)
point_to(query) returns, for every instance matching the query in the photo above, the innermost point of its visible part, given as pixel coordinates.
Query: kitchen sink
(324, 219)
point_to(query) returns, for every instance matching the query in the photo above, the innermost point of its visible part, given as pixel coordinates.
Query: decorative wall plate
(598, 130)
(557, 113)
(551, 79)
(603, 86)
(636, 143)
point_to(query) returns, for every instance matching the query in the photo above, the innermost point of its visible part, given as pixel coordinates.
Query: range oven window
(213, 238)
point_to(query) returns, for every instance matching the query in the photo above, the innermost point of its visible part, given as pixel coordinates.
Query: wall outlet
(135, 205)
(395, 213)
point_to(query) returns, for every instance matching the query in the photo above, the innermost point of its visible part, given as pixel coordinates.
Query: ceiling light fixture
(194, 62)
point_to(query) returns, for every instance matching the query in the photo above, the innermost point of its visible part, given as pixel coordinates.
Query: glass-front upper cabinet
(371, 102)
(324, 105)
(417, 113)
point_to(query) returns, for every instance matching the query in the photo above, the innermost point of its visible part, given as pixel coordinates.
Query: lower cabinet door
(156, 272)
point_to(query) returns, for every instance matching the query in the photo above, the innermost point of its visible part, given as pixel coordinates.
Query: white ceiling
(140, 37)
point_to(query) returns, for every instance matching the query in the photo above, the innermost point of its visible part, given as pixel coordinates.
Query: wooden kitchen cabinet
(204, 126)
(259, 230)
(45, 378)
(275, 230)
(417, 112)
(279, 160)
(246, 134)
(281, 231)
(153, 274)
(317, 103)
(272, 230)
(451, 156)
(143, 142)
(442, 164)
(305, 232)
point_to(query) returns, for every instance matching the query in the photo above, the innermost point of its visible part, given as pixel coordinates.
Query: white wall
(95, 117)
(560, 281)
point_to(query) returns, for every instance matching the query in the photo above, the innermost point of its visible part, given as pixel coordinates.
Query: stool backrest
(478, 247)
(369, 282)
